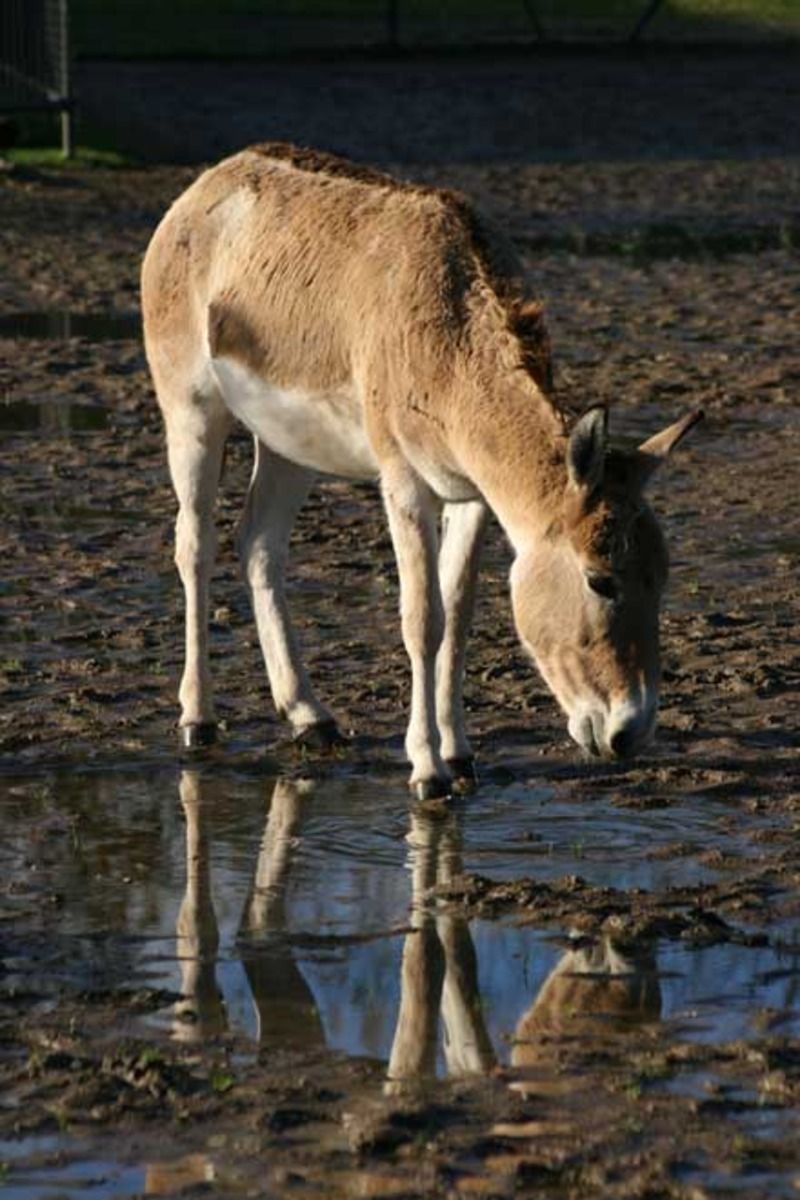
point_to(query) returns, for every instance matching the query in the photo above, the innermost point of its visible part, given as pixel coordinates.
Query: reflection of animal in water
(439, 973)
(596, 986)
(362, 327)
(287, 1012)
(200, 1012)
(285, 1008)
(596, 989)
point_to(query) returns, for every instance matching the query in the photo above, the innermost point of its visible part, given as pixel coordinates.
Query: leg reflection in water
(286, 1012)
(598, 987)
(200, 1013)
(439, 973)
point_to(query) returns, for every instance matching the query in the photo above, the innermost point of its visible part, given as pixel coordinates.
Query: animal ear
(586, 449)
(652, 453)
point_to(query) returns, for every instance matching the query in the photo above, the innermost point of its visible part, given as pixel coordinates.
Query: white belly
(323, 432)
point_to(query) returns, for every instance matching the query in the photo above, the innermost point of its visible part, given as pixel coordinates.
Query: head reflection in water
(597, 988)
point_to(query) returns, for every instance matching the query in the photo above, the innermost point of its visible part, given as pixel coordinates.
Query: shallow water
(317, 884)
(61, 1177)
(286, 912)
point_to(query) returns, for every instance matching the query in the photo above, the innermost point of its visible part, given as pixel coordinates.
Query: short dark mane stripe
(320, 162)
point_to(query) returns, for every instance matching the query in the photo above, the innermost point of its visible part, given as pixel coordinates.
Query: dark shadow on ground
(669, 104)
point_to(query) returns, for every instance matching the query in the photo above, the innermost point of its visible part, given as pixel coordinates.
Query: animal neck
(511, 442)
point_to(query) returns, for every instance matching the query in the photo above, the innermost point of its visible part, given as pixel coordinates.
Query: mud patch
(51, 418)
(61, 326)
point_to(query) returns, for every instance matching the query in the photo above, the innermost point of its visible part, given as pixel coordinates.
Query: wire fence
(36, 35)
(35, 60)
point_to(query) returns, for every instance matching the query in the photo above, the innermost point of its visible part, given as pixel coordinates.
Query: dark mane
(320, 162)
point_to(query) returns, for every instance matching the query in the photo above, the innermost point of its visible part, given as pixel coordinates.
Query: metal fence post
(67, 147)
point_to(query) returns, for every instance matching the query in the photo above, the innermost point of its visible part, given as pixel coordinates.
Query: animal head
(586, 594)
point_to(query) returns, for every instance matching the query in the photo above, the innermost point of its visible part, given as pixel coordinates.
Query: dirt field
(662, 1058)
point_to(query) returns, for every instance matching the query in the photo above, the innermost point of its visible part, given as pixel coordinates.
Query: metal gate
(35, 61)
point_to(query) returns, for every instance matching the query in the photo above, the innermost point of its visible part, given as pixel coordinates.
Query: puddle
(65, 1180)
(318, 884)
(46, 1168)
(59, 326)
(767, 1184)
(52, 418)
(296, 916)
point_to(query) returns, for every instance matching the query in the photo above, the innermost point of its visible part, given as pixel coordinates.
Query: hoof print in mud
(198, 736)
(321, 737)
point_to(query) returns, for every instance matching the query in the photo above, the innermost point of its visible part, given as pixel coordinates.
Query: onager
(372, 329)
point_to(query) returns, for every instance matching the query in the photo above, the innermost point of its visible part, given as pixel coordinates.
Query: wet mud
(263, 972)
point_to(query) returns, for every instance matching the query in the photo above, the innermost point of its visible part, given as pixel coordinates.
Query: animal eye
(603, 585)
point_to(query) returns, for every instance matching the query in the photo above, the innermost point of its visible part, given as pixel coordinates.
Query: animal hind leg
(277, 491)
(196, 434)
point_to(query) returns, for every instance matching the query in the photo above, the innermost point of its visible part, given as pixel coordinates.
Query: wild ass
(367, 328)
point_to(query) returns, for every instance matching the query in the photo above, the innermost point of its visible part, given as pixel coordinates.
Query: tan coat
(369, 328)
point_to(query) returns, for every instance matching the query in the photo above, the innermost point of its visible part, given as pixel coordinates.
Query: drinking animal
(372, 329)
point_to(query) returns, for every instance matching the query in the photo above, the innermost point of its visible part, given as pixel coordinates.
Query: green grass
(38, 145)
(51, 156)
(219, 28)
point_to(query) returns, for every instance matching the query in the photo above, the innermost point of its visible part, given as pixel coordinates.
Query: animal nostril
(623, 741)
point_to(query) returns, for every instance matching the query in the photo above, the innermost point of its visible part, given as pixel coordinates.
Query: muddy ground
(668, 284)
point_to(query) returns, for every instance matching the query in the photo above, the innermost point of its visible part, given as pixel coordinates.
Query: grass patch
(36, 145)
(51, 156)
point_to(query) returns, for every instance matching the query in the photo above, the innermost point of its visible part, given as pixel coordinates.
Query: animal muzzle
(621, 730)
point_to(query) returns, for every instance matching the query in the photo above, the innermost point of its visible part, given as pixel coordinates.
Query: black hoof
(432, 789)
(321, 736)
(198, 735)
(465, 777)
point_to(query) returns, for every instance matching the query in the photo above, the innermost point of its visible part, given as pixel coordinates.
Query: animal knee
(263, 565)
(195, 544)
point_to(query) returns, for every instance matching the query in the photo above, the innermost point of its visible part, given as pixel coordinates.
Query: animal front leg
(412, 513)
(463, 528)
(277, 491)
